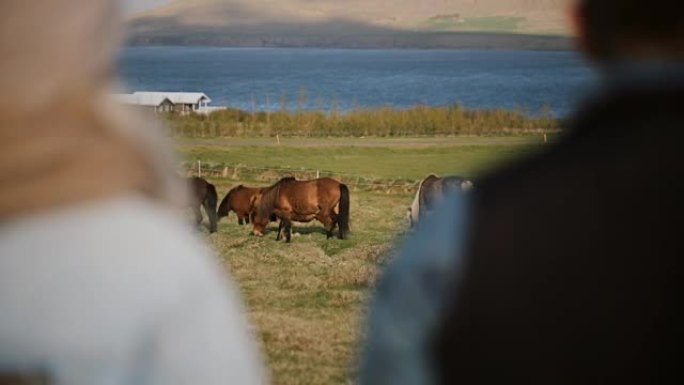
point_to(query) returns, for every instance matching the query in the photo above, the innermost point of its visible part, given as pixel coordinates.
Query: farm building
(159, 105)
(182, 102)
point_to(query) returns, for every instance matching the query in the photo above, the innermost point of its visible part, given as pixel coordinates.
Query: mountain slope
(221, 20)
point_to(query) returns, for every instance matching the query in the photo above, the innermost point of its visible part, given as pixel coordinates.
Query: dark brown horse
(204, 195)
(240, 200)
(325, 200)
(431, 191)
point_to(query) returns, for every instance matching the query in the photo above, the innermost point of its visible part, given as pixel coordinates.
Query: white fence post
(199, 168)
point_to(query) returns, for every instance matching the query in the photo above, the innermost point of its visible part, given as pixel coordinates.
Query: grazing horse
(325, 200)
(431, 191)
(240, 200)
(204, 194)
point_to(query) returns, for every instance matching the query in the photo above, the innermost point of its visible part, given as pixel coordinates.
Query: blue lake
(274, 78)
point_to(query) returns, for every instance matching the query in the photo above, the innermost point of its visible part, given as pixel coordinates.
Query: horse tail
(343, 216)
(414, 215)
(209, 203)
(416, 205)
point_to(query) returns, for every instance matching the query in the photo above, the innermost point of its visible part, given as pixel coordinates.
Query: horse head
(262, 205)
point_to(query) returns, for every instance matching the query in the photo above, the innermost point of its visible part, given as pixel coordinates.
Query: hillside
(353, 23)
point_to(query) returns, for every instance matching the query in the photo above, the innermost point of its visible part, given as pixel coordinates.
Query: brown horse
(240, 200)
(431, 191)
(204, 194)
(325, 200)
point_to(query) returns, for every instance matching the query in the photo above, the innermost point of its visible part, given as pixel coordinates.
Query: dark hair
(611, 26)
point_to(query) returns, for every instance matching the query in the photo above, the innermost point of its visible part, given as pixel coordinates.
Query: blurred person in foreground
(101, 281)
(563, 268)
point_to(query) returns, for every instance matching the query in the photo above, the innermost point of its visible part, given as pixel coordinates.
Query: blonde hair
(64, 138)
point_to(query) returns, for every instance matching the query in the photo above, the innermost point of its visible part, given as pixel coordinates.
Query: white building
(158, 105)
(182, 102)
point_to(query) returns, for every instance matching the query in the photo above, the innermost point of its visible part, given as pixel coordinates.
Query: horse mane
(230, 193)
(415, 206)
(269, 196)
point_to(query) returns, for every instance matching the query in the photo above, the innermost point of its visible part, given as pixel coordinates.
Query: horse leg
(335, 222)
(241, 220)
(330, 229)
(288, 231)
(329, 224)
(198, 214)
(280, 231)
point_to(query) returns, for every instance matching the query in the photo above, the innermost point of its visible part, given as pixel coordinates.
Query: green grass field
(307, 299)
(399, 159)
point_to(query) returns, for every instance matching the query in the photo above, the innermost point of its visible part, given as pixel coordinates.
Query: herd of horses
(290, 200)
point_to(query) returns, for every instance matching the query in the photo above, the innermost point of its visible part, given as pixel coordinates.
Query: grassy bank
(307, 299)
(378, 122)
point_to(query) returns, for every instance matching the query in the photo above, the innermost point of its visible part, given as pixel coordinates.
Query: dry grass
(364, 122)
(306, 298)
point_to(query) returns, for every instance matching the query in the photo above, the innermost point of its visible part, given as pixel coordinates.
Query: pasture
(307, 299)
(373, 158)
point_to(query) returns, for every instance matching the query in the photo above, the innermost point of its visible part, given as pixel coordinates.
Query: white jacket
(119, 292)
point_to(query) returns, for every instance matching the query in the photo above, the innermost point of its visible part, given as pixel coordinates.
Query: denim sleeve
(410, 298)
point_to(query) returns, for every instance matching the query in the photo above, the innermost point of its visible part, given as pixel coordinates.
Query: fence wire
(273, 174)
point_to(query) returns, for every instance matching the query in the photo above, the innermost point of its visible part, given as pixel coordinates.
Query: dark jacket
(575, 256)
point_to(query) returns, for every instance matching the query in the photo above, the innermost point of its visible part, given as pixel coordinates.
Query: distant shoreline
(397, 40)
